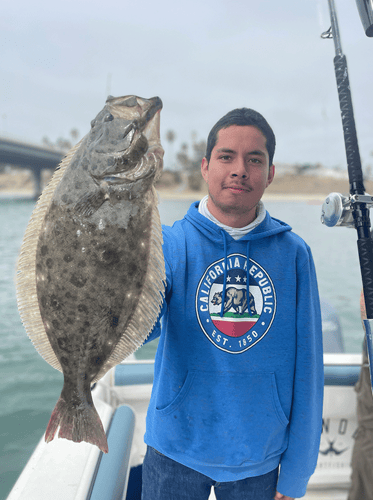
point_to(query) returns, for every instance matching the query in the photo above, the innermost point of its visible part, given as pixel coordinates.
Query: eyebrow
(226, 150)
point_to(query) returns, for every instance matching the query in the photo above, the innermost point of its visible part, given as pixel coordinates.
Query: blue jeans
(165, 479)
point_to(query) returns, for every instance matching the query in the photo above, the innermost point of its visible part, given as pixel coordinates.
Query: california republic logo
(237, 321)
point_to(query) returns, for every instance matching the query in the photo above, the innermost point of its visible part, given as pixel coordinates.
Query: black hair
(242, 117)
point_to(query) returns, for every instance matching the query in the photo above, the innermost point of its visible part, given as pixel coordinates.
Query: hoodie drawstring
(225, 273)
(248, 279)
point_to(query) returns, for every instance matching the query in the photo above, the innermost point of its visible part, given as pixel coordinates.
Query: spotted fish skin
(90, 279)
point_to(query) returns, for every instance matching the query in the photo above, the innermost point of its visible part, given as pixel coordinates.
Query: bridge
(31, 157)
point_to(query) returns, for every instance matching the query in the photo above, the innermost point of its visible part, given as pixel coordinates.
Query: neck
(232, 218)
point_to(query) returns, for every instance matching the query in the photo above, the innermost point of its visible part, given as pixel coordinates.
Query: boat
(63, 470)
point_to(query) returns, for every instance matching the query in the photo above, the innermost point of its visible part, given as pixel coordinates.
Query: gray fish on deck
(90, 276)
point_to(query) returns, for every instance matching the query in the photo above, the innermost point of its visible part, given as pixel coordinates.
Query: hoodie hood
(268, 227)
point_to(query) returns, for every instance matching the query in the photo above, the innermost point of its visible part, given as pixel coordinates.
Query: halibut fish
(90, 276)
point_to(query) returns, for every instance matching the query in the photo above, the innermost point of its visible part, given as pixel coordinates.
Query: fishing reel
(337, 210)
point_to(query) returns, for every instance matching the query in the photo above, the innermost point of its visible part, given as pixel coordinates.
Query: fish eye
(108, 118)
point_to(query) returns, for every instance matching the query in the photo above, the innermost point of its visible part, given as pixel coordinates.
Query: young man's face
(237, 174)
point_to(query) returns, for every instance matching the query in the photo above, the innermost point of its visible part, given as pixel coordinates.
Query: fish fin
(151, 299)
(27, 297)
(90, 203)
(77, 424)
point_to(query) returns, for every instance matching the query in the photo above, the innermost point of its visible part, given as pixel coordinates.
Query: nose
(239, 169)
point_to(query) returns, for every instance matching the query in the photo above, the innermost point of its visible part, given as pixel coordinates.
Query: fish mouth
(151, 130)
(148, 125)
(156, 105)
(138, 153)
(151, 121)
(128, 137)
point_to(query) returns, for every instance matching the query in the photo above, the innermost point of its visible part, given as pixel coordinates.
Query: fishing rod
(353, 210)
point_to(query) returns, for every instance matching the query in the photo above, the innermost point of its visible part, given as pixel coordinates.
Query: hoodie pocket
(224, 418)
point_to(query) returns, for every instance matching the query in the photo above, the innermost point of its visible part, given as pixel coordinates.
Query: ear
(271, 175)
(205, 169)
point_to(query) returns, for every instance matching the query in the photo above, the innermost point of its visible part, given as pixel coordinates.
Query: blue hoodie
(238, 382)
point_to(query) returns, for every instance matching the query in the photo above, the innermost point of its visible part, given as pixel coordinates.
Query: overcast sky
(59, 60)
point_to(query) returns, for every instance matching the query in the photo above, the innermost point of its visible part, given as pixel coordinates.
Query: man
(238, 376)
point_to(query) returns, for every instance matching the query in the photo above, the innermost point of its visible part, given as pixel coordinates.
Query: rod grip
(355, 173)
(365, 248)
(369, 344)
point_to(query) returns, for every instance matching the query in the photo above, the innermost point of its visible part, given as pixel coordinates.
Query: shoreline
(284, 197)
(285, 188)
(171, 195)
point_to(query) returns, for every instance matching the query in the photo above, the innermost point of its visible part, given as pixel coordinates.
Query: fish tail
(79, 423)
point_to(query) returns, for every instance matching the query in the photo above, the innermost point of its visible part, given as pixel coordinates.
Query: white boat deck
(63, 470)
(331, 478)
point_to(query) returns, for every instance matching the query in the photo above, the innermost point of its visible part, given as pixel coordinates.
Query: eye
(108, 118)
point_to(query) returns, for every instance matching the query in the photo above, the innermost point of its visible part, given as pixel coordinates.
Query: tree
(170, 138)
(191, 162)
(61, 143)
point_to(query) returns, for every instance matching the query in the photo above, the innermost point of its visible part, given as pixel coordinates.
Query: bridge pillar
(37, 183)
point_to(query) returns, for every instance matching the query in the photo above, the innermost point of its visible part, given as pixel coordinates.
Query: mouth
(152, 129)
(238, 189)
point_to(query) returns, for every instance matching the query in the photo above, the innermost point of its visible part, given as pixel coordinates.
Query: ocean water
(29, 387)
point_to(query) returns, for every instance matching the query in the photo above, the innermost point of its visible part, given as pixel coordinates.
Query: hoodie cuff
(294, 487)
